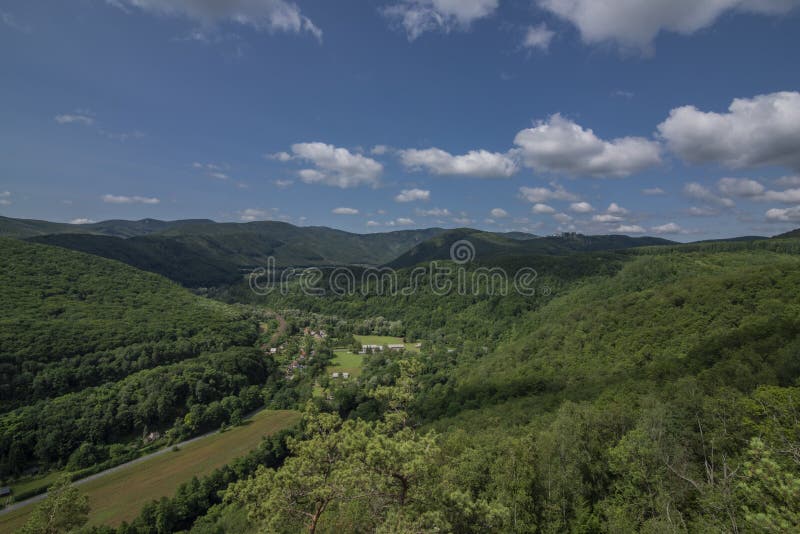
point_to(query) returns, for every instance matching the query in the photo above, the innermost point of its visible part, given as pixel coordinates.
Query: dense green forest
(654, 389)
(94, 353)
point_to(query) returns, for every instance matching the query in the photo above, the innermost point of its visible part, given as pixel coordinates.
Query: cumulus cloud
(700, 192)
(634, 24)
(413, 195)
(499, 213)
(434, 212)
(669, 228)
(476, 163)
(562, 218)
(379, 150)
(788, 181)
(402, 221)
(121, 199)
(268, 15)
(784, 214)
(254, 214)
(344, 211)
(81, 220)
(607, 218)
(74, 118)
(629, 229)
(740, 187)
(559, 145)
(373, 224)
(759, 131)
(279, 156)
(419, 16)
(789, 196)
(616, 209)
(283, 184)
(336, 166)
(538, 37)
(581, 207)
(542, 209)
(537, 195)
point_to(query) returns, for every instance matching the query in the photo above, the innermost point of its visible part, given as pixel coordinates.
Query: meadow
(120, 495)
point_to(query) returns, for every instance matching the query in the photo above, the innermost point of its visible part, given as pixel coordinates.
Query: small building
(273, 350)
(5, 492)
(345, 375)
(396, 346)
(334, 375)
(370, 348)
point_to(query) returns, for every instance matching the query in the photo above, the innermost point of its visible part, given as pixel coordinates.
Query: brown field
(120, 495)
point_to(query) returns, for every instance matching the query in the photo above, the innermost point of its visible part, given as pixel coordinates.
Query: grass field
(346, 362)
(119, 496)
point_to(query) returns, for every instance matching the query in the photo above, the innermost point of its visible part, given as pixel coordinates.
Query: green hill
(490, 248)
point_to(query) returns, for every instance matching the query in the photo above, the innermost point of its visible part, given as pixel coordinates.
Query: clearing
(121, 494)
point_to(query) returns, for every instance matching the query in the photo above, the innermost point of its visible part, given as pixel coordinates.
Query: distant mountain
(490, 247)
(205, 253)
(22, 228)
(793, 233)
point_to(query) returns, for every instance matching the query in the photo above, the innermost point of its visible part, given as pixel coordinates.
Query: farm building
(370, 348)
(396, 346)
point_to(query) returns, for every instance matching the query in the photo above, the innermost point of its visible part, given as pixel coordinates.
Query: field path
(117, 494)
(101, 474)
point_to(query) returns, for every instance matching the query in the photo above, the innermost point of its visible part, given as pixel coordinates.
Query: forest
(653, 389)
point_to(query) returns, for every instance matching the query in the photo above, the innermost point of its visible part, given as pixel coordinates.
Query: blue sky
(659, 117)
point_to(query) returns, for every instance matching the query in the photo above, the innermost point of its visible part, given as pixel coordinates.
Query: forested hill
(492, 247)
(92, 350)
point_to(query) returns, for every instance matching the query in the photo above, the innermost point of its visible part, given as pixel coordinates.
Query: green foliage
(63, 510)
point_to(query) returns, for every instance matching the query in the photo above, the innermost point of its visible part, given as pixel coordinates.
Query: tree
(64, 510)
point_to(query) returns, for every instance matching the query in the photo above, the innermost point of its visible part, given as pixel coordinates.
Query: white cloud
(219, 175)
(74, 118)
(784, 214)
(740, 187)
(790, 196)
(653, 191)
(542, 209)
(81, 220)
(121, 199)
(253, 214)
(403, 221)
(337, 166)
(699, 192)
(11, 21)
(616, 209)
(542, 194)
(269, 15)
(344, 211)
(279, 156)
(435, 212)
(607, 218)
(5, 202)
(559, 145)
(788, 181)
(475, 163)
(629, 229)
(563, 218)
(581, 207)
(636, 23)
(5, 194)
(669, 228)
(283, 184)
(499, 213)
(538, 37)
(463, 221)
(372, 224)
(419, 16)
(379, 150)
(413, 195)
(760, 131)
